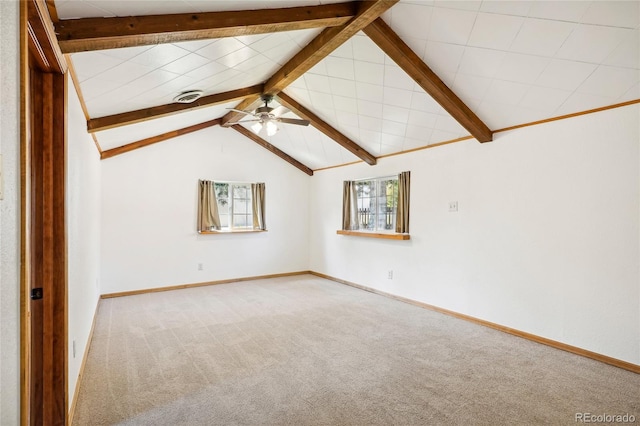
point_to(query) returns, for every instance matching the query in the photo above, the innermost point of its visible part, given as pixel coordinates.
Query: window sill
(233, 231)
(390, 236)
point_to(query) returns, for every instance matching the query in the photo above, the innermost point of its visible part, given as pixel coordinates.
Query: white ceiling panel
(625, 14)
(124, 135)
(541, 37)
(493, 31)
(147, 77)
(510, 62)
(502, 7)
(592, 43)
(610, 81)
(449, 26)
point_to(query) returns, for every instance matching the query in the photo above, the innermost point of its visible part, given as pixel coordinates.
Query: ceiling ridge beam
(266, 145)
(140, 115)
(321, 46)
(158, 138)
(391, 44)
(327, 129)
(325, 43)
(85, 34)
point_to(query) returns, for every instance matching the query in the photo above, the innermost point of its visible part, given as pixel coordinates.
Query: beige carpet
(306, 351)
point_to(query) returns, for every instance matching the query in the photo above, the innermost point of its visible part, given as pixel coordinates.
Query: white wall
(546, 239)
(149, 204)
(83, 233)
(9, 214)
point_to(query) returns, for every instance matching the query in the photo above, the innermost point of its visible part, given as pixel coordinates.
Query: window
(234, 205)
(231, 207)
(377, 203)
(377, 207)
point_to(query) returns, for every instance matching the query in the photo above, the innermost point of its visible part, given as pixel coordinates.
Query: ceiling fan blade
(240, 111)
(293, 121)
(243, 121)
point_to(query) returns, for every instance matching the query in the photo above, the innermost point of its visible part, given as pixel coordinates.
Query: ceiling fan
(266, 117)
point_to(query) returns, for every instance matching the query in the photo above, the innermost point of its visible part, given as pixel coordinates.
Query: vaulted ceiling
(374, 78)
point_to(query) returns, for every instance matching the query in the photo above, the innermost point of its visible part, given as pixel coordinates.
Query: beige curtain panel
(349, 206)
(258, 200)
(208, 217)
(402, 213)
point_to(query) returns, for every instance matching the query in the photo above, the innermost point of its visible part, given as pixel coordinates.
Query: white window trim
(232, 228)
(376, 230)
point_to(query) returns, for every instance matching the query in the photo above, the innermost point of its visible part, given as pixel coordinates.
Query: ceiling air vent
(188, 96)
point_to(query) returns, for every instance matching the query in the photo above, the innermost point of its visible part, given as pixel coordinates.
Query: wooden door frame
(43, 252)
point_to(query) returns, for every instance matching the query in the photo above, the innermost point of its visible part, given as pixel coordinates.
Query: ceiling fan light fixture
(272, 128)
(256, 127)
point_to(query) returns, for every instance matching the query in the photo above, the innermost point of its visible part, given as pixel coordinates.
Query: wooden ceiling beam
(321, 46)
(325, 128)
(131, 117)
(392, 45)
(155, 139)
(78, 35)
(266, 145)
(325, 43)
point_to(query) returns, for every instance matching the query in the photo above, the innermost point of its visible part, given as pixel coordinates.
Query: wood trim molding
(25, 233)
(266, 145)
(158, 138)
(131, 117)
(392, 45)
(202, 284)
(326, 128)
(532, 337)
(43, 34)
(575, 114)
(76, 84)
(77, 35)
(379, 235)
(76, 391)
(519, 126)
(232, 231)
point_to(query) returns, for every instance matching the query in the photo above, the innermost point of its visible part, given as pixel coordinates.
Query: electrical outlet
(200, 267)
(390, 274)
(453, 206)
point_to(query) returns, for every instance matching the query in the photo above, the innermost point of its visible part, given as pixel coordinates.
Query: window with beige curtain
(377, 204)
(231, 206)
(208, 217)
(349, 206)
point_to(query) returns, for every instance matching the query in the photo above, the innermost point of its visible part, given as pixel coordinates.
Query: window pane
(240, 206)
(223, 206)
(240, 221)
(377, 203)
(241, 192)
(222, 190)
(224, 220)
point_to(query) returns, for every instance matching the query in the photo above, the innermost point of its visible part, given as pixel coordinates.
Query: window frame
(378, 185)
(231, 209)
